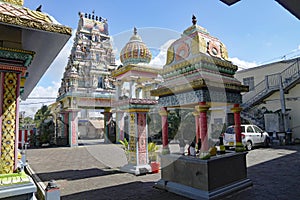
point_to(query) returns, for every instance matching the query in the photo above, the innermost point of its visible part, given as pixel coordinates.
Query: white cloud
(50, 91)
(30, 106)
(160, 60)
(242, 64)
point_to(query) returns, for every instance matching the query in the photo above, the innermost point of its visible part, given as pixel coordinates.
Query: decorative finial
(194, 20)
(134, 31)
(39, 9)
(93, 12)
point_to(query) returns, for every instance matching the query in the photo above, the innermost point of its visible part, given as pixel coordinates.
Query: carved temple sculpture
(199, 78)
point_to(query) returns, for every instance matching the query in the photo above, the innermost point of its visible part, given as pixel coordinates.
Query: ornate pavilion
(198, 77)
(133, 101)
(29, 42)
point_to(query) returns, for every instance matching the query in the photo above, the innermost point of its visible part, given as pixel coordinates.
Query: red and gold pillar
(202, 108)
(13, 66)
(9, 123)
(237, 127)
(164, 123)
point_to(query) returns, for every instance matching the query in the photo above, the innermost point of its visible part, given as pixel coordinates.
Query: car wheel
(249, 145)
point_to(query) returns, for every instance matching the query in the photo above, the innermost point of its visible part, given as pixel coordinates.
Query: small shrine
(87, 86)
(199, 77)
(134, 80)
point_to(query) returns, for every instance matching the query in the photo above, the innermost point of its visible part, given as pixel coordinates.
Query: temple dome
(135, 51)
(195, 40)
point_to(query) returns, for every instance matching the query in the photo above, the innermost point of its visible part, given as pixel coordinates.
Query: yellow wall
(292, 100)
(259, 73)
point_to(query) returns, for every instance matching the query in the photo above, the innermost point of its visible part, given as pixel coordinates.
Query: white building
(273, 100)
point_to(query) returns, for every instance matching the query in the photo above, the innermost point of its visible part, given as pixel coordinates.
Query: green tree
(41, 115)
(45, 125)
(181, 124)
(26, 120)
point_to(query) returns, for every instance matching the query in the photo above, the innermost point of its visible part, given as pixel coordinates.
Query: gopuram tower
(86, 86)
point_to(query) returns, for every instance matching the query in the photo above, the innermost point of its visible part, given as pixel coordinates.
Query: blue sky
(254, 31)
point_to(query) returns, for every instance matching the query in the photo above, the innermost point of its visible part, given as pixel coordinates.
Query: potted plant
(152, 153)
(125, 147)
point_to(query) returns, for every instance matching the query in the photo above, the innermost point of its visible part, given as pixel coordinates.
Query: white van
(252, 136)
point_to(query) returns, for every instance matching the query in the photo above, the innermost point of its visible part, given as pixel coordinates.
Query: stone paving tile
(88, 172)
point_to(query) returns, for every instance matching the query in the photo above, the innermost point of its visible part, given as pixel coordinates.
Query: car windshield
(230, 130)
(257, 129)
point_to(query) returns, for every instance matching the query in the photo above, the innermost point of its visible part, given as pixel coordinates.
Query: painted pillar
(9, 122)
(73, 128)
(142, 138)
(107, 117)
(120, 125)
(196, 115)
(237, 125)
(164, 123)
(202, 108)
(138, 143)
(132, 138)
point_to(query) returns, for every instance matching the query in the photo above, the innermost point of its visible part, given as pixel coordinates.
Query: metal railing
(271, 83)
(290, 74)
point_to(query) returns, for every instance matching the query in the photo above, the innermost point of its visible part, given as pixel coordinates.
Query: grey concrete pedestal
(204, 179)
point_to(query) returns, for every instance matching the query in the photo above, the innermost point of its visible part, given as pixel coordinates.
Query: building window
(249, 81)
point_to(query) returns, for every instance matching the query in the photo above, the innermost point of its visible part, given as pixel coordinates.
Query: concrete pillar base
(17, 190)
(136, 169)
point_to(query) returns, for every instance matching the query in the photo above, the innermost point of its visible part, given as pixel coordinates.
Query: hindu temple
(87, 86)
(198, 77)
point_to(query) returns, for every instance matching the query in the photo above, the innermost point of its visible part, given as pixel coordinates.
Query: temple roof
(135, 51)
(92, 23)
(24, 17)
(39, 33)
(195, 40)
(196, 63)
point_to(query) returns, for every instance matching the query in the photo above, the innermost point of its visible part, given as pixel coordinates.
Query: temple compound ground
(86, 172)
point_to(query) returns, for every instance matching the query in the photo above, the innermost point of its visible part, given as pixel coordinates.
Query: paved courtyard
(90, 171)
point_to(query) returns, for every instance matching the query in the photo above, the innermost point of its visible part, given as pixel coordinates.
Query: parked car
(252, 136)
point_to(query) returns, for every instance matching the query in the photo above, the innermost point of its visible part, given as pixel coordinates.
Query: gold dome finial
(134, 30)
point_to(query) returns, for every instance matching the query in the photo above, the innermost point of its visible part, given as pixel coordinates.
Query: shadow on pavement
(276, 179)
(134, 190)
(76, 174)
